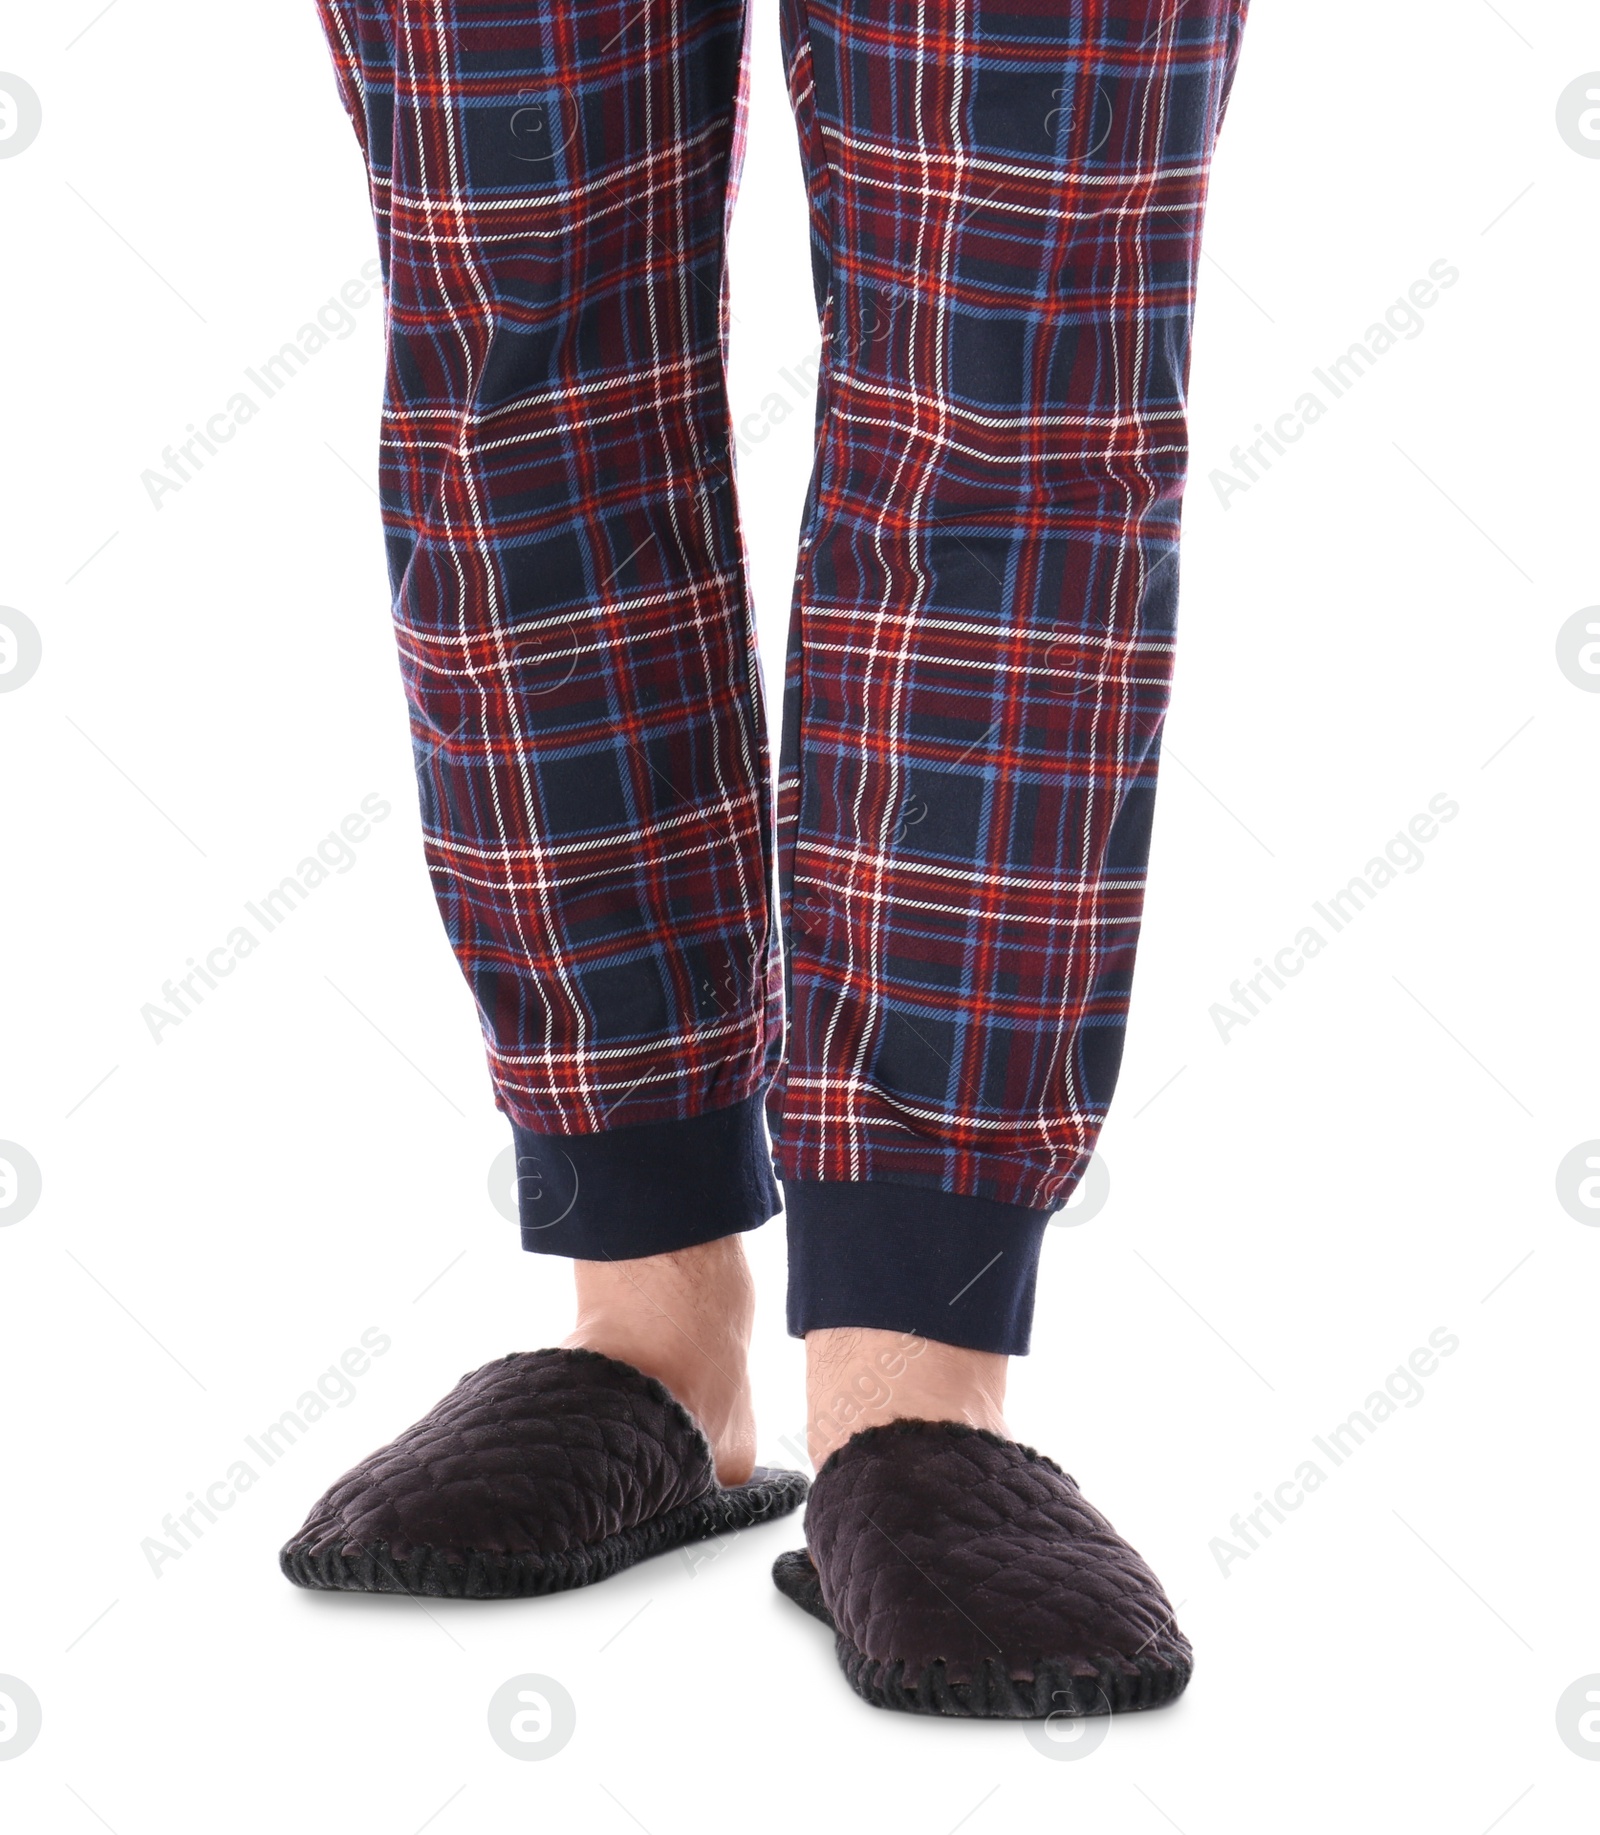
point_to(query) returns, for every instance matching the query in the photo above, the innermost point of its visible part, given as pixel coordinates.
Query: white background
(1292, 1211)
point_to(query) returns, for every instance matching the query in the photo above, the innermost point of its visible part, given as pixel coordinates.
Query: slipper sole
(1111, 1685)
(474, 1574)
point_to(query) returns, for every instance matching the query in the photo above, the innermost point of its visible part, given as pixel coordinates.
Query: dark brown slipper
(542, 1471)
(964, 1574)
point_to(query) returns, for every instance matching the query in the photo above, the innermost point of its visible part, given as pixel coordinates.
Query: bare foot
(684, 1319)
(857, 1377)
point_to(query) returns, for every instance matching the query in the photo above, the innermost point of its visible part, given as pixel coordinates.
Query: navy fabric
(903, 1259)
(648, 1189)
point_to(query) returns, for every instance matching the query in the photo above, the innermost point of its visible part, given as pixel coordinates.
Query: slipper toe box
(965, 1573)
(536, 1454)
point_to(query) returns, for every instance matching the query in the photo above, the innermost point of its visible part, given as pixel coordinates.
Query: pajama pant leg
(550, 181)
(1006, 200)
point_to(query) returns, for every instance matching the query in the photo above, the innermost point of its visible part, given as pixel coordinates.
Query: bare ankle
(684, 1318)
(858, 1377)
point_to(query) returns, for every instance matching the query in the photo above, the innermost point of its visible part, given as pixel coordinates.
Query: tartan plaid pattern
(1006, 199)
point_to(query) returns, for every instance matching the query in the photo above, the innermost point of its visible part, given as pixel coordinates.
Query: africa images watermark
(1402, 854)
(1402, 1388)
(795, 397)
(182, 461)
(1401, 321)
(335, 854)
(335, 1388)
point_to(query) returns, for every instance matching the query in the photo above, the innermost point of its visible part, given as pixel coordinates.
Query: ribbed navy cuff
(903, 1259)
(646, 1189)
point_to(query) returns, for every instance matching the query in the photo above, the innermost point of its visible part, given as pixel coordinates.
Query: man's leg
(550, 183)
(1007, 199)
(1006, 204)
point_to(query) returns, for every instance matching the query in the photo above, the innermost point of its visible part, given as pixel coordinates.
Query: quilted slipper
(965, 1574)
(543, 1470)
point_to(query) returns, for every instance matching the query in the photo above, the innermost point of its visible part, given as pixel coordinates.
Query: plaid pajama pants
(915, 969)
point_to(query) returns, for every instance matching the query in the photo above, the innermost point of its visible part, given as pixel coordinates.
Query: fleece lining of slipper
(542, 1471)
(966, 1575)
